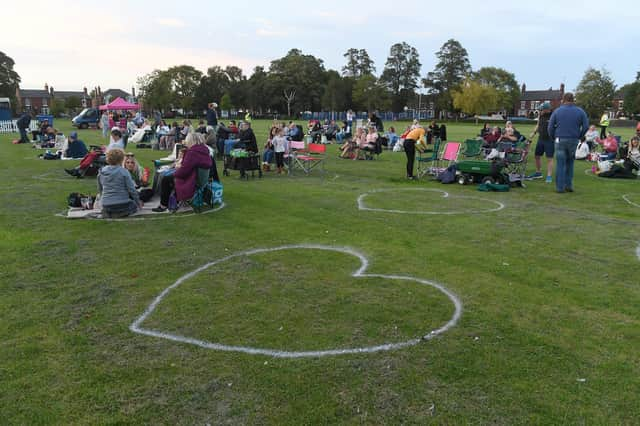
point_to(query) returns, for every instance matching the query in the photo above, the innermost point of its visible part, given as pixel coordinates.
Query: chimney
(99, 91)
(133, 92)
(84, 89)
(524, 88)
(561, 89)
(51, 91)
(46, 87)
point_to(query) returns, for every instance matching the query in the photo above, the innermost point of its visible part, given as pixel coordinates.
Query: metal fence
(10, 126)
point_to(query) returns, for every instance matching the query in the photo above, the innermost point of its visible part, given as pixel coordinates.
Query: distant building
(530, 100)
(617, 105)
(39, 100)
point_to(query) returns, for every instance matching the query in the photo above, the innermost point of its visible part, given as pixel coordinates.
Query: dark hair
(116, 132)
(568, 97)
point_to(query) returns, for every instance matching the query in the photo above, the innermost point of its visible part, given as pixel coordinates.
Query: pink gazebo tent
(119, 104)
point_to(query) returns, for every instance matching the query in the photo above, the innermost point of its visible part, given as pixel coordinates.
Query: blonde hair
(115, 156)
(194, 139)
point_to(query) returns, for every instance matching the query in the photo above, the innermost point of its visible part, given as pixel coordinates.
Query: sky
(74, 44)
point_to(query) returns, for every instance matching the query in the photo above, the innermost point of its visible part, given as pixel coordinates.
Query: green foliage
(631, 97)
(57, 107)
(595, 92)
(337, 92)
(302, 74)
(401, 73)
(503, 82)
(358, 63)
(452, 67)
(225, 102)
(211, 88)
(9, 80)
(184, 82)
(155, 90)
(475, 98)
(369, 94)
(73, 103)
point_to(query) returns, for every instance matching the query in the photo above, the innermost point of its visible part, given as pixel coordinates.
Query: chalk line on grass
(47, 177)
(626, 198)
(136, 326)
(362, 205)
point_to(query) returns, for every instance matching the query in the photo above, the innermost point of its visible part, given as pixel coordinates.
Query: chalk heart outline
(137, 327)
(362, 205)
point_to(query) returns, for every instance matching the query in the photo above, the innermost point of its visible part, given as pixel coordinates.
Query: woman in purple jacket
(183, 180)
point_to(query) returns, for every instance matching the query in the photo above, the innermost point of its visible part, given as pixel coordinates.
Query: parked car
(88, 116)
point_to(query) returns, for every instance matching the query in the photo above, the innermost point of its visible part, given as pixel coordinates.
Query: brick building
(39, 100)
(530, 100)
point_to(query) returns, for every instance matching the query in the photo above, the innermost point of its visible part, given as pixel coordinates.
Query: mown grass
(550, 331)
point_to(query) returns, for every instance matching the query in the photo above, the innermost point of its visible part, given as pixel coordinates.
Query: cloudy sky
(72, 44)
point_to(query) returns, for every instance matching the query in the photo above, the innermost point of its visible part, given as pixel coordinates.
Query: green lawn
(549, 334)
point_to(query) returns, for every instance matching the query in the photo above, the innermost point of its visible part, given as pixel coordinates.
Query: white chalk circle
(363, 206)
(626, 198)
(137, 327)
(47, 176)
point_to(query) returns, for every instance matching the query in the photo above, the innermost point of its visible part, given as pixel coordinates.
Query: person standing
(604, 123)
(545, 143)
(410, 148)
(23, 124)
(104, 123)
(567, 125)
(212, 115)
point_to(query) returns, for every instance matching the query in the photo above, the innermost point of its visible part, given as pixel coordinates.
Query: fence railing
(10, 126)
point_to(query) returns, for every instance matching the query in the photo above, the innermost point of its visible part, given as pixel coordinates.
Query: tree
(503, 81)
(631, 97)
(358, 63)
(212, 86)
(289, 97)
(73, 102)
(595, 92)
(238, 86)
(303, 73)
(369, 95)
(9, 80)
(452, 67)
(401, 73)
(155, 90)
(57, 107)
(184, 82)
(225, 102)
(474, 97)
(336, 92)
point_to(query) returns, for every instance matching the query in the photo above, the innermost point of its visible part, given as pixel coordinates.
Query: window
(620, 105)
(45, 102)
(523, 104)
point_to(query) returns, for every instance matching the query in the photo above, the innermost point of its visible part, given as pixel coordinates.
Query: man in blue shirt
(567, 126)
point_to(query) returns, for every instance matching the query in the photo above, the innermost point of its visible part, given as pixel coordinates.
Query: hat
(73, 135)
(544, 105)
(213, 105)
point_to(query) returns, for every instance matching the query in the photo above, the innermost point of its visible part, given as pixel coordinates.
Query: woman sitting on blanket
(183, 179)
(119, 197)
(348, 149)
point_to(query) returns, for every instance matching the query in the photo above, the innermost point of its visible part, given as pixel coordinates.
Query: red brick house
(530, 100)
(39, 101)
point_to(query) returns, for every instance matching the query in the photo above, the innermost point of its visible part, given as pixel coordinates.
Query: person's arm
(551, 127)
(585, 124)
(131, 188)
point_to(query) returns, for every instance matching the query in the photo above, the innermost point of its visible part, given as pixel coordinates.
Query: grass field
(549, 333)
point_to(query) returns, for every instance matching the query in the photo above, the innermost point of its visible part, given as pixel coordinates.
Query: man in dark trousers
(212, 115)
(23, 126)
(567, 126)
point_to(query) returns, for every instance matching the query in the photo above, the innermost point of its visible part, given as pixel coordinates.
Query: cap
(73, 135)
(544, 105)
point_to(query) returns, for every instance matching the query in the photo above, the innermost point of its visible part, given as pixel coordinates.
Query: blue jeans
(565, 157)
(267, 156)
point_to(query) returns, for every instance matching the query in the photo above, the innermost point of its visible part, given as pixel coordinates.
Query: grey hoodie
(116, 186)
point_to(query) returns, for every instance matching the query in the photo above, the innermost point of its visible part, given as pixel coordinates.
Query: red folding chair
(309, 159)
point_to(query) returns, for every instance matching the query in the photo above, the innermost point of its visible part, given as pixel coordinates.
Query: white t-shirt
(279, 143)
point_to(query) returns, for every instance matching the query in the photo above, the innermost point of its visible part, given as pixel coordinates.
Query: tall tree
(503, 81)
(595, 92)
(369, 94)
(155, 90)
(452, 67)
(9, 79)
(185, 80)
(401, 73)
(213, 85)
(260, 93)
(474, 97)
(305, 74)
(358, 63)
(335, 95)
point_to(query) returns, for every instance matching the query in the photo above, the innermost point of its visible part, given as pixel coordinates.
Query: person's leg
(410, 151)
(561, 163)
(603, 132)
(571, 158)
(549, 151)
(166, 186)
(23, 136)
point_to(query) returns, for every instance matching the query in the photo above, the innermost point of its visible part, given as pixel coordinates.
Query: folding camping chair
(427, 160)
(472, 148)
(308, 159)
(449, 155)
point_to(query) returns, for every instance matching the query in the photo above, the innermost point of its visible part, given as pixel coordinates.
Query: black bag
(146, 194)
(448, 175)
(75, 199)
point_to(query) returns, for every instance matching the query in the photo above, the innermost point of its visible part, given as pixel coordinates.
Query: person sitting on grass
(39, 134)
(632, 162)
(183, 180)
(348, 149)
(344, 133)
(119, 197)
(591, 137)
(610, 146)
(331, 130)
(135, 169)
(76, 147)
(392, 137)
(116, 141)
